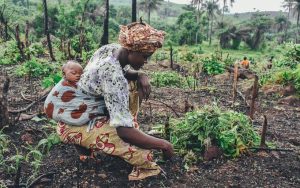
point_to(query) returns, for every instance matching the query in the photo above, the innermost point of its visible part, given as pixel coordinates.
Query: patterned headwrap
(140, 37)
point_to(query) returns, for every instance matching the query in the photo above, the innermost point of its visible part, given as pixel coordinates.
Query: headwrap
(140, 37)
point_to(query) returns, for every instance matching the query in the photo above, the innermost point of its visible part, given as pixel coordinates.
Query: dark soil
(62, 167)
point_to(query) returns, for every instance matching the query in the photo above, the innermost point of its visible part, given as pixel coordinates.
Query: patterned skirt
(103, 137)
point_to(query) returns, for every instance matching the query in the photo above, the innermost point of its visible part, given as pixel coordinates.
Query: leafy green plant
(171, 79)
(189, 56)
(212, 66)
(9, 54)
(229, 130)
(51, 80)
(34, 68)
(48, 142)
(291, 57)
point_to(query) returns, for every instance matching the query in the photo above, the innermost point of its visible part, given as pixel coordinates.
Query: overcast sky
(248, 5)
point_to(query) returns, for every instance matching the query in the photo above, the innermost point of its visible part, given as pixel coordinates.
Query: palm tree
(150, 5)
(104, 38)
(197, 4)
(224, 6)
(287, 5)
(296, 10)
(211, 8)
(133, 11)
(281, 22)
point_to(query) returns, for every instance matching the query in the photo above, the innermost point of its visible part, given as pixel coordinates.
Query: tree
(287, 4)
(296, 10)
(211, 8)
(150, 5)
(225, 6)
(133, 11)
(104, 38)
(47, 33)
(259, 24)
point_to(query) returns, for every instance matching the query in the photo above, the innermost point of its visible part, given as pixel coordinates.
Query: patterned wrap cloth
(140, 37)
(104, 138)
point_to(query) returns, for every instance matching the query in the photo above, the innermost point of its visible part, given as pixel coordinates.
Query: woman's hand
(144, 86)
(142, 140)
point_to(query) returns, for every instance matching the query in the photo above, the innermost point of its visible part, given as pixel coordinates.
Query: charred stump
(4, 86)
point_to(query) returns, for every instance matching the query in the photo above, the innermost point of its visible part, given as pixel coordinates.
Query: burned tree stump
(253, 98)
(4, 116)
(235, 80)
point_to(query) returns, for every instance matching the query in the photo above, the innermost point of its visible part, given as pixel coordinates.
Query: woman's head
(140, 41)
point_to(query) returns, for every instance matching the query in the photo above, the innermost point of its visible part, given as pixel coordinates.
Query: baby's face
(73, 73)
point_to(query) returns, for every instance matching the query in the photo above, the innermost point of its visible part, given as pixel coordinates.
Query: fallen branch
(23, 96)
(24, 117)
(272, 149)
(243, 97)
(36, 180)
(167, 106)
(28, 106)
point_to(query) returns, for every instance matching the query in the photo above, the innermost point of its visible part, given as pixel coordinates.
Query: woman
(103, 80)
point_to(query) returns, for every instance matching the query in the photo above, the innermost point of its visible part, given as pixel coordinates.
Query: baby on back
(68, 103)
(72, 72)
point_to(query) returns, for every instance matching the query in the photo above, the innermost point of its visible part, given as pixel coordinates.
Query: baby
(72, 72)
(67, 103)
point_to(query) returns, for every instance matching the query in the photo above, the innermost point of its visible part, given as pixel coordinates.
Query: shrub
(171, 79)
(212, 66)
(231, 131)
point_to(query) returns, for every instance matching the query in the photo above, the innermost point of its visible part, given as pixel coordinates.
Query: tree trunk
(82, 37)
(298, 29)
(133, 11)
(4, 116)
(69, 49)
(171, 56)
(211, 26)
(19, 43)
(149, 11)
(6, 31)
(104, 38)
(26, 39)
(47, 29)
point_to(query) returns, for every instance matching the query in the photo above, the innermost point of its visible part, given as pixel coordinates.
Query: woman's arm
(142, 80)
(142, 140)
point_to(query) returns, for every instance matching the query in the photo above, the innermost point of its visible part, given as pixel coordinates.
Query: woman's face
(138, 59)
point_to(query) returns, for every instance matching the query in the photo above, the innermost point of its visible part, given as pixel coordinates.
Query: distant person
(270, 62)
(245, 63)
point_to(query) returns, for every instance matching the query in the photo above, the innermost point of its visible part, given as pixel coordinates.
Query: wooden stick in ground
(235, 80)
(150, 108)
(254, 96)
(263, 133)
(167, 129)
(4, 116)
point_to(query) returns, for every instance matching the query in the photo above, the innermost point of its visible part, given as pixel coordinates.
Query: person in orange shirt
(245, 63)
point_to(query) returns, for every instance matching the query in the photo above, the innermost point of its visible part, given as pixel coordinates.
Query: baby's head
(72, 71)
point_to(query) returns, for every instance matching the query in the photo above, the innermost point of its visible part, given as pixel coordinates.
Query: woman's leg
(105, 138)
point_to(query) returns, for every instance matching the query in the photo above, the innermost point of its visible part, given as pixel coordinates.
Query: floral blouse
(104, 76)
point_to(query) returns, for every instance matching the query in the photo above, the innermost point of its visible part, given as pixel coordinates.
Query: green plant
(48, 142)
(34, 68)
(51, 80)
(291, 56)
(189, 57)
(229, 130)
(212, 66)
(168, 78)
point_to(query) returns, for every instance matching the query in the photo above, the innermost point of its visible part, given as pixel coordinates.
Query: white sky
(247, 5)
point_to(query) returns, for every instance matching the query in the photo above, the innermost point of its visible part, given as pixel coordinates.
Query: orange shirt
(245, 64)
